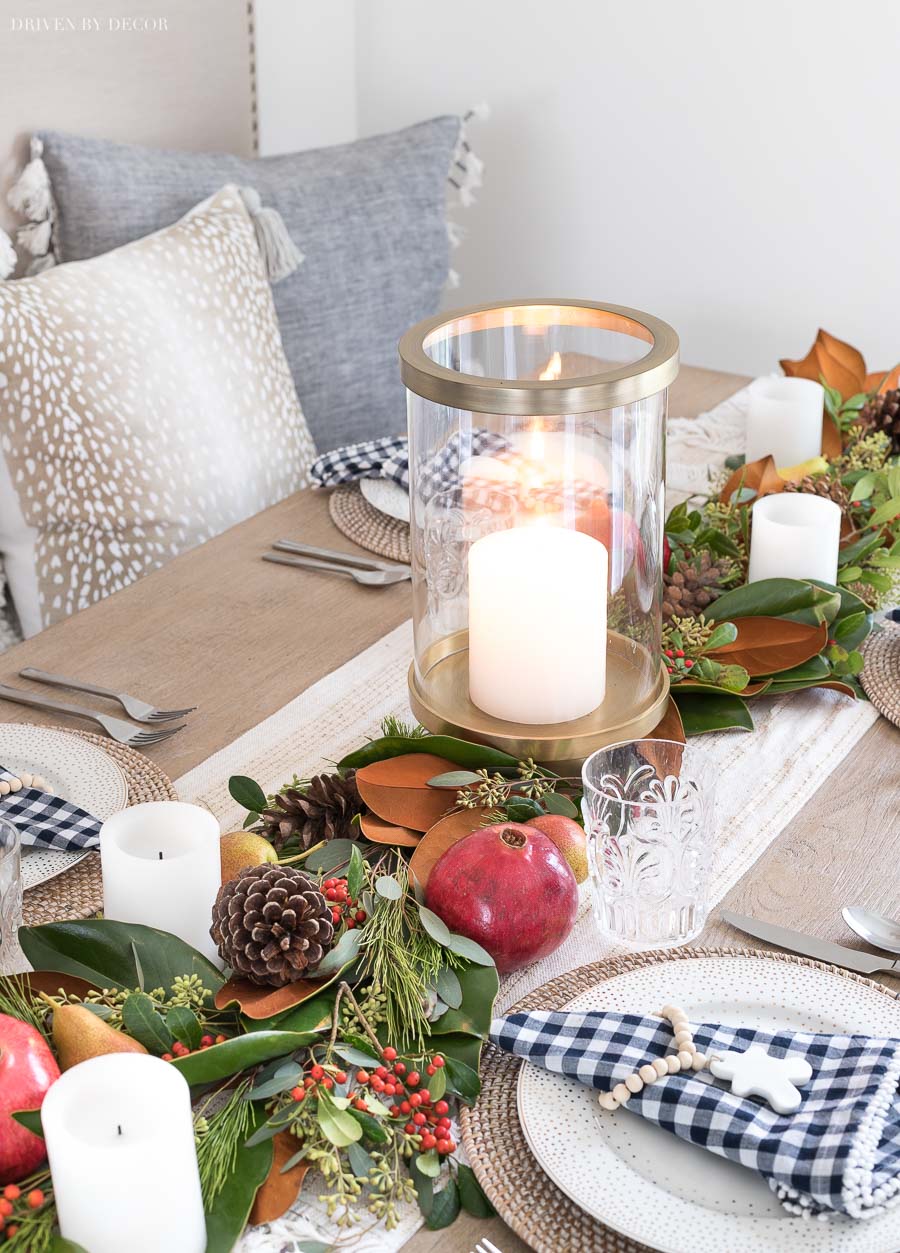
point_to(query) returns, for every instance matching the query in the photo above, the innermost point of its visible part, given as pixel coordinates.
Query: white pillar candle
(784, 420)
(542, 658)
(794, 536)
(120, 1142)
(162, 867)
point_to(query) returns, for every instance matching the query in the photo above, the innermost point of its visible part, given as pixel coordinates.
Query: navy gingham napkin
(47, 821)
(388, 458)
(839, 1152)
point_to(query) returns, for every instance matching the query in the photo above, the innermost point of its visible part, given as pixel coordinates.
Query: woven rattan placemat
(367, 526)
(523, 1196)
(881, 675)
(79, 892)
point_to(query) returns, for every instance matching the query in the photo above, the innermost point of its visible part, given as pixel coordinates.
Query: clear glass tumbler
(648, 809)
(11, 957)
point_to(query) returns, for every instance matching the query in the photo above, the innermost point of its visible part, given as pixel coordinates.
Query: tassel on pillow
(280, 254)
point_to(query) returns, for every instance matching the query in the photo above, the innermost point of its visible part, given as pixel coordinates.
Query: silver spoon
(874, 928)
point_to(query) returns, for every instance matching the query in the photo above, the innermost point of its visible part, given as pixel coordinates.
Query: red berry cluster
(426, 1118)
(676, 660)
(318, 1078)
(182, 1050)
(343, 907)
(15, 1204)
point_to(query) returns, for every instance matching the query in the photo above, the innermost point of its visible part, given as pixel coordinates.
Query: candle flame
(552, 370)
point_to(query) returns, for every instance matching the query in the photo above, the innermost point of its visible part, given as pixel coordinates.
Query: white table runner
(768, 775)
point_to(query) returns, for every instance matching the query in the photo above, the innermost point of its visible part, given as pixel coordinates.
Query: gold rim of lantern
(440, 701)
(621, 385)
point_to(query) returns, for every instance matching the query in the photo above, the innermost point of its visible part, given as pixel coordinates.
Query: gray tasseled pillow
(369, 217)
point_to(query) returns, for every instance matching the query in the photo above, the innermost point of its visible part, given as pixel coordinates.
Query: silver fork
(120, 730)
(137, 709)
(484, 1246)
(372, 578)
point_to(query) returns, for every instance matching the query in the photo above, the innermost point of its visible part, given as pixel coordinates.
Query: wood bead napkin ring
(25, 779)
(685, 1057)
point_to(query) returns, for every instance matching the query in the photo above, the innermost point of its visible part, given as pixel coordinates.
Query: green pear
(78, 1034)
(239, 849)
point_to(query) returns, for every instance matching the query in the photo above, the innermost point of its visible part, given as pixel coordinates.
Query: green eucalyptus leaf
(247, 793)
(473, 1200)
(557, 803)
(360, 1161)
(449, 988)
(355, 1057)
(144, 1023)
(355, 873)
(275, 1086)
(717, 710)
(185, 1026)
(851, 630)
(479, 988)
(111, 954)
(333, 856)
(388, 887)
(340, 957)
(522, 809)
(445, 1208)
(455, 779)
(435, 926)
(472, 951)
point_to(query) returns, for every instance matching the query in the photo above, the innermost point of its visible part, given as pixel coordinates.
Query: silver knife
(811, 946)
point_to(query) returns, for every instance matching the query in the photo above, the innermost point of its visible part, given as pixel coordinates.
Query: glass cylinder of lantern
(537, 502)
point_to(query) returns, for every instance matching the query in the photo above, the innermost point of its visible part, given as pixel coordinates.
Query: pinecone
(323, 812)
(694, 584)
(821, 485)
(882, 413)
(272, 925)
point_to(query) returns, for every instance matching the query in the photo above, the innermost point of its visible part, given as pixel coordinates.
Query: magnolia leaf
(716, 711)
(30, 1119)
(849, 574)
(456, 752)
(439, 838)
(767, 645)
(397, 789)
(462, 1080)
(371, 1127)
(797, 599)
(280, 1188)
(886, 512)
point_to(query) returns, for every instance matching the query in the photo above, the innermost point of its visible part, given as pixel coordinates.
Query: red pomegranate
(509, 888)
(27, 1069)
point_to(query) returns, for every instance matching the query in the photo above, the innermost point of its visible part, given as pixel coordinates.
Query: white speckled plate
(76, 770)
(671, 1195)
(387, 497)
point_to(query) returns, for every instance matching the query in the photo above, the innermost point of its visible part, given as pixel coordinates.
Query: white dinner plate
(387, 497)
(672, 1195)
(76, 770)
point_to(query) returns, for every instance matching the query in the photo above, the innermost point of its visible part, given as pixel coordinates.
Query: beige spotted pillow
(145, 406)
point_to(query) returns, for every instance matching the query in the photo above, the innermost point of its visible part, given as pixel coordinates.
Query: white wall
(305, 73)
(733, 168)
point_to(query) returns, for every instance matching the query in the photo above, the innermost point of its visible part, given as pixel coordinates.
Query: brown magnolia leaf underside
(770, 645)
(255, 1001)
(278, 1191)
(51, 981)
(397, 791)
(378, 831)
(760, 477)
(440, 837)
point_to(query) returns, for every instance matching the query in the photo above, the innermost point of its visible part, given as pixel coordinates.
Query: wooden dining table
(239, 638)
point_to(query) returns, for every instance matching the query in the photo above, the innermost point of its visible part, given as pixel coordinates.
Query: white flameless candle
(120, 1142)
(162, 867)
(794, 536)
(540, 659)
(784, 420)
